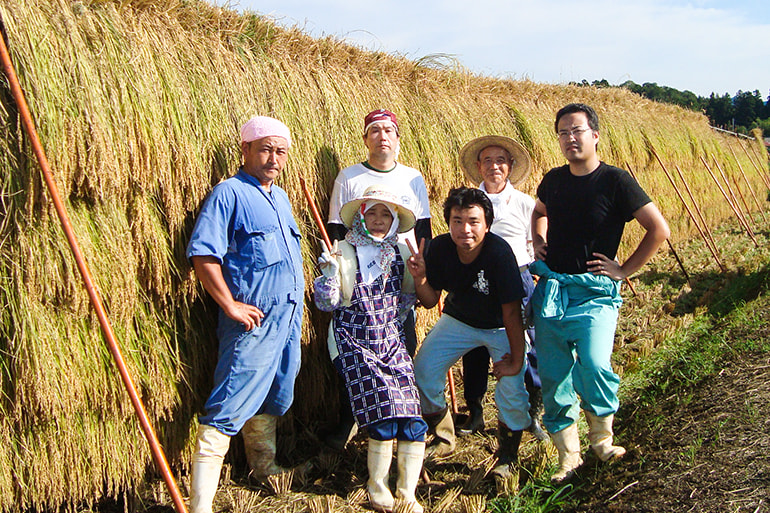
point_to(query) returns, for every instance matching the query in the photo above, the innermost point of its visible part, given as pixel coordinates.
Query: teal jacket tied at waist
(556, 292)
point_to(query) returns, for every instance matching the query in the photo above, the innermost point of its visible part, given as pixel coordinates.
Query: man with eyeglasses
(578, 220)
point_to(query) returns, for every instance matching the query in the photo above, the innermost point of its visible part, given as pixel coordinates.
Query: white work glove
(328, 260)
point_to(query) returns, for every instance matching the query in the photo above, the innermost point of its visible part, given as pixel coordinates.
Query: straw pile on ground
(138, 106)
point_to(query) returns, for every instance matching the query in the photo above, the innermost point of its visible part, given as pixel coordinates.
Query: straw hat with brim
(378, 194)
(469, 156)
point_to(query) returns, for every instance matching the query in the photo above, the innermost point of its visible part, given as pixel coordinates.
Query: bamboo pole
(723, 174)
(727, 198)
(450, 377)
(452, 393)
(679, 261)
(764, 153)
(629, 283)
(96, 302)
(748, 184)
(743, 199)
(316, 215)
(762, 174)
(687, 207)
(670, 245)
(704, 224)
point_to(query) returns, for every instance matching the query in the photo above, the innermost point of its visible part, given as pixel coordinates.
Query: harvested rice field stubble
(138, 106)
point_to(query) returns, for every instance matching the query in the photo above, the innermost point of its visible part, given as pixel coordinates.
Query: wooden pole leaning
(763, 157)
(727, 198)
(743, 199)
(452, 392)
(726, 181)
(670, 245)
(449, 376)
(748, 184)
(316, 215)
(762, 173)
(714, 253)
(629, 283)
(93, 295)
(698, 211)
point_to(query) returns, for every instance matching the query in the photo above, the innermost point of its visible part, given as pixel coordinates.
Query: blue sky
(704, 46)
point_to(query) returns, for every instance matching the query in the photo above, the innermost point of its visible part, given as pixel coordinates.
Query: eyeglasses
(575, 132)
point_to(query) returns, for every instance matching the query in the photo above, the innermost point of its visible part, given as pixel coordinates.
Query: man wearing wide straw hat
(497, 164)
(382, 139)
(245, 249)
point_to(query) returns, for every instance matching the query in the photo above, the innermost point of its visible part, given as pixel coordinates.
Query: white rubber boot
(378, 460)
(600, 437)
(410, 456)
(210, 451)
(259, 442)
(567, 442)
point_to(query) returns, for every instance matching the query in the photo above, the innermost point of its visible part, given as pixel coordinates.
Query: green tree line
(741, 112)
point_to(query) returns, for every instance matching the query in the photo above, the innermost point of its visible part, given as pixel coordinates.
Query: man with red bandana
(382, 140)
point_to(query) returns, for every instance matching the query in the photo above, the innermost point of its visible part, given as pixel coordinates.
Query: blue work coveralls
(254, 236)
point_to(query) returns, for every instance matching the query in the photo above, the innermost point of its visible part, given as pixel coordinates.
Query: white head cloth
(372, 258)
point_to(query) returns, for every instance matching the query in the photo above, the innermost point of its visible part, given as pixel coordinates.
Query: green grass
(716, 319)
(688, 457)
(537, 496)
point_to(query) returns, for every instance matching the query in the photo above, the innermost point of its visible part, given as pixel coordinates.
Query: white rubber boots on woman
(410, 457)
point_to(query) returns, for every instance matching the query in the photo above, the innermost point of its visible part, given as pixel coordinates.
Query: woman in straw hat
(497, 165)
(365, 284)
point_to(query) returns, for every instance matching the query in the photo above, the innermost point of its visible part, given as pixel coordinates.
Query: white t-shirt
(513, 217)
(403, 181)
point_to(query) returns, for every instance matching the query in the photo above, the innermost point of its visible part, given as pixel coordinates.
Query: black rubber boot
(346, 428)
(442, 427)
(536, 412)
(475, 377)
(506, 471)
(475, 421)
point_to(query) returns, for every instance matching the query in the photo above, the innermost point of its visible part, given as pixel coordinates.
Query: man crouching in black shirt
(482, 308)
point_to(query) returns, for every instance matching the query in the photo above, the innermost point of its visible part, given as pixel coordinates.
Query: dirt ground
(708, 454)
(703, 448)
(700, 450)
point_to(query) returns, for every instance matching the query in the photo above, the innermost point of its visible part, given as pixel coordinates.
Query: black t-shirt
(477, 290)
(587, 214)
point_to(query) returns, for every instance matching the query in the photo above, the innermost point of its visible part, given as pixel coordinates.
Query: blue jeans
(410, 429)
(446, 343)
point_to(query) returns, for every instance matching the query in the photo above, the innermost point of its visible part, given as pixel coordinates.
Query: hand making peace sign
(416, 262)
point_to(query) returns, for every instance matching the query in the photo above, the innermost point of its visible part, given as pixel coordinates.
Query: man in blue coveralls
(245, 249)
